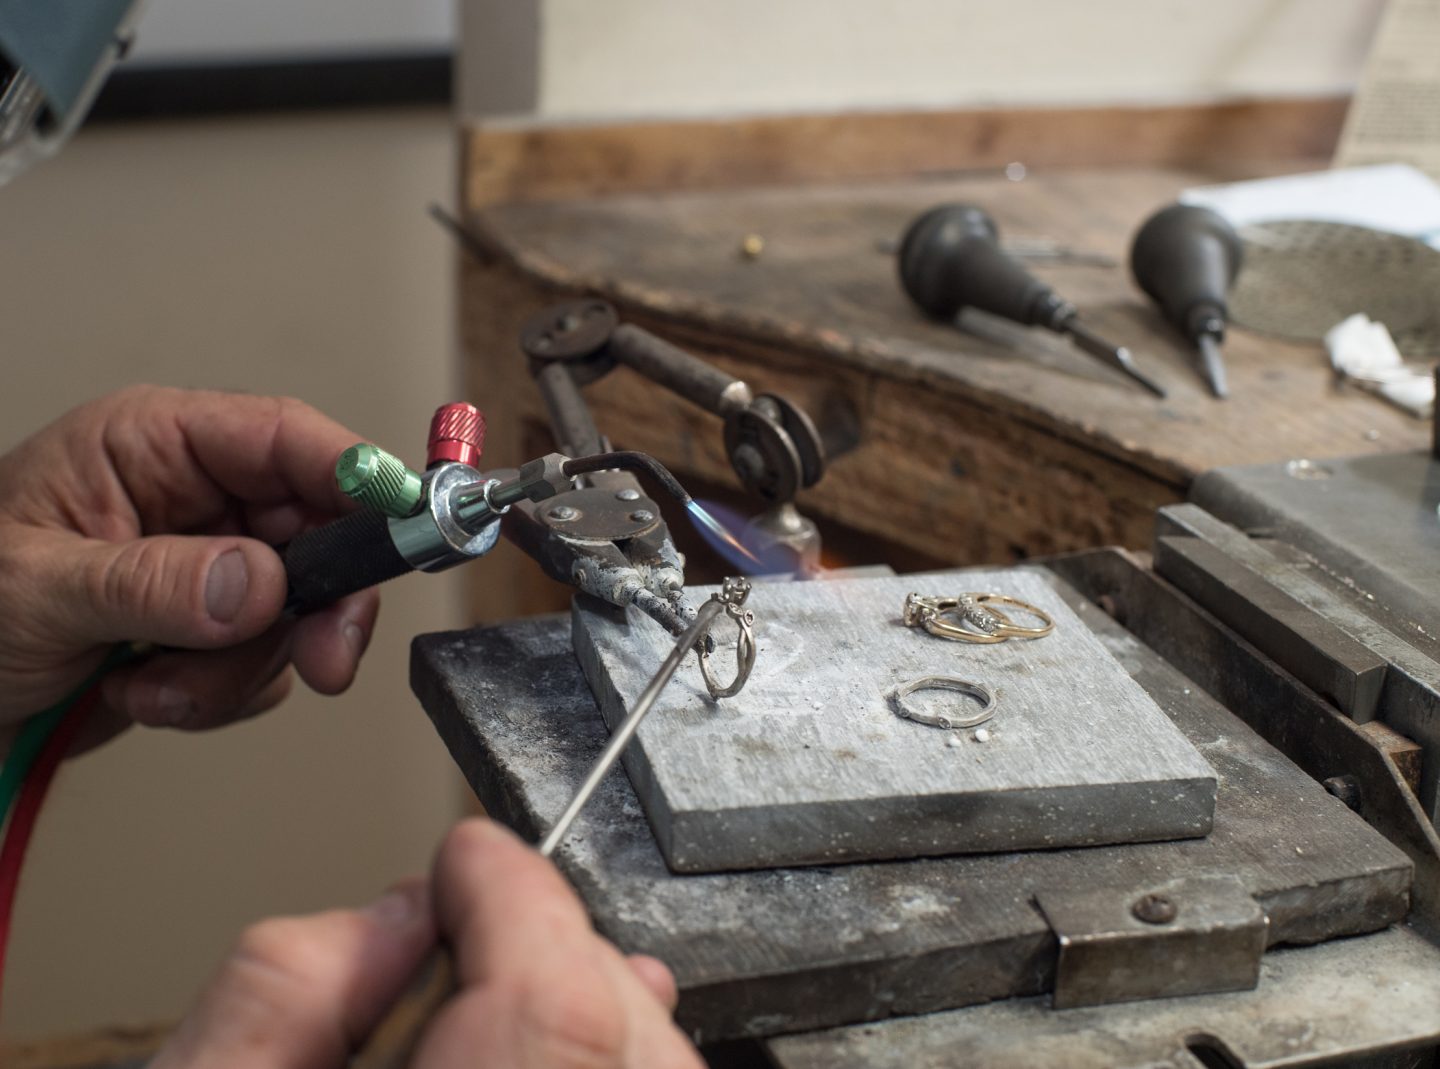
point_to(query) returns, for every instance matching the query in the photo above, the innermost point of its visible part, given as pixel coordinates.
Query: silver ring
(964, 686)
(733, 593)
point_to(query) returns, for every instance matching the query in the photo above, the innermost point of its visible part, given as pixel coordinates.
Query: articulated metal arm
(773, 446)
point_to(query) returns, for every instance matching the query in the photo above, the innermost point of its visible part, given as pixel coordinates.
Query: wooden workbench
(975, 447)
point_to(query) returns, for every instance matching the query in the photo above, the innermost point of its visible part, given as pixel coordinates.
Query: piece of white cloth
(1363, 351)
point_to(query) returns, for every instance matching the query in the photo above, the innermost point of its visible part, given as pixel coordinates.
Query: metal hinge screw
(642, 516)
(563, 514)
(1155, 909)
(1345, 788)
(627, 495)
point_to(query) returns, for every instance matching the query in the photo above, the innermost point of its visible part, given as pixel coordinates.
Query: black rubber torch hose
(629, 460)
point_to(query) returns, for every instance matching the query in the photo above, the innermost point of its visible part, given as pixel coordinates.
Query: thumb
(303, 992)
(174, 590)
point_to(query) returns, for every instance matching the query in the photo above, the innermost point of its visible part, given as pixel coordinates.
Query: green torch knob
(373, 477)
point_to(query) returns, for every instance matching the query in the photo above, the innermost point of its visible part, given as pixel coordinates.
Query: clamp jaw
(605, 536)
(773, 445)
(610, 542)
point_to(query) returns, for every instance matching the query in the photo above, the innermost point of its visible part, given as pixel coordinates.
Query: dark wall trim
(164, 92)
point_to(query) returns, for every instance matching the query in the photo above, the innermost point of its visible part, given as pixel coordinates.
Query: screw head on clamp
(373, 477)
(1155, 909)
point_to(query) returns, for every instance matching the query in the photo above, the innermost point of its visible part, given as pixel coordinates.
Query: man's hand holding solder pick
(536, 987)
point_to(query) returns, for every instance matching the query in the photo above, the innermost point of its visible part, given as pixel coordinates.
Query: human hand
(148, 515)
(537, 988)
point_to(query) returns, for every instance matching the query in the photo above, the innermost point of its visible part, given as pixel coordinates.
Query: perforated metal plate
(1302, 277)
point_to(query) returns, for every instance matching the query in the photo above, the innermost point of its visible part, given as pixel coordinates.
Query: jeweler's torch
(432, 521)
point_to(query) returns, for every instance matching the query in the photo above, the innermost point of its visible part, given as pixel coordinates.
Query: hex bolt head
(1346, 788)
(628, 494)
(1155, 909)
(563, 514)
(642, 515)
(748, 463)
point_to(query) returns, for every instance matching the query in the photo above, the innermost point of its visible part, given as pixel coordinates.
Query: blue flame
(756, 555)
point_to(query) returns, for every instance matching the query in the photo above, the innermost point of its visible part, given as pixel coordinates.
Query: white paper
(1395, 116)
(1394, 197)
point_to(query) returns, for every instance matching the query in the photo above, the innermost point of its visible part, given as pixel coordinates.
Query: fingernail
(486, 829)
(354, 636)
(399, 906)
(226, 585)
(160, 705)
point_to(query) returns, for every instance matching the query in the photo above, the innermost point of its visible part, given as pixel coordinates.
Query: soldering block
(810, 764)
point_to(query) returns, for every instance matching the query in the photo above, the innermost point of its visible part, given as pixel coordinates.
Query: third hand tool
(1185, 257)
(950, 258)
(773, 445)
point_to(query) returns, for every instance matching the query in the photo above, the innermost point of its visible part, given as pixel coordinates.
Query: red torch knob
(457, 432)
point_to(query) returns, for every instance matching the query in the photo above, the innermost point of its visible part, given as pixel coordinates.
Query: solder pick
(631, 724)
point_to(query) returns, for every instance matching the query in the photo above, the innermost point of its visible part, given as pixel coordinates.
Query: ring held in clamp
(733, 593)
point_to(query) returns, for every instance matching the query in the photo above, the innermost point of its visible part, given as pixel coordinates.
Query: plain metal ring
(964, 686)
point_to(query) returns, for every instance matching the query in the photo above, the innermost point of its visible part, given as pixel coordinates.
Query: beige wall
(577, 59)
(288, 255)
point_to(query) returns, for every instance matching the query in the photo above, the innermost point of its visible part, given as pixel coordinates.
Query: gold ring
(986, 622)
(1008, 627)
(921, 611)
